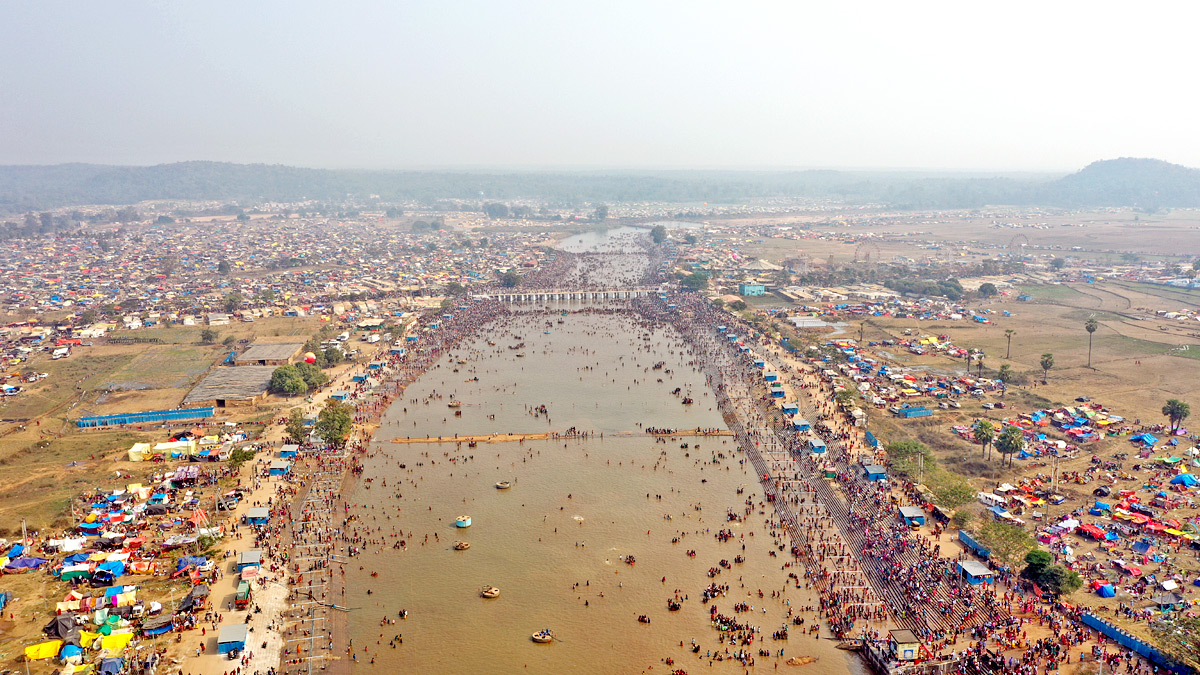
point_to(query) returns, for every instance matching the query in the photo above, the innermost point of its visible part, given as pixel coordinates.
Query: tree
(1005, 374)
(695, 281)
(232, 302)
(1058, 263)
(455, 288)
(1010, 442)
(208, 336)
(334, 422)
(88, 316)
(737, 305)
(601, 212)
(659, 234)
(987, 290)
(224, 267)
(510, 279)
(1176, 411)
(1008, 543)
(844, 398)
(1047, 363)
(961, 518)
(311, 374)
(906, 449)
(690, 238)
(1090, 326)
(229, 341)
(1008, 335)
(985, 434)
(295, 426)
(496, 210)
(288, 381)
(333, 355)
(1041, 570)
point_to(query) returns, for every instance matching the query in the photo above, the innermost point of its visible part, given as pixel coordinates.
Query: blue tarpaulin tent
(1106, 591)
(112, 666)
(24, 564)
(192, 560)
(1185, 479)
(69, 651)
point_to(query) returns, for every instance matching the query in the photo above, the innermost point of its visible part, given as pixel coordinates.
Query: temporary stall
(232, 638)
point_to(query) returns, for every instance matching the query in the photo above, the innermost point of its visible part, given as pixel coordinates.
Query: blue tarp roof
(1185, 479)
(196, 560)
(25, 563)
(1106, 591)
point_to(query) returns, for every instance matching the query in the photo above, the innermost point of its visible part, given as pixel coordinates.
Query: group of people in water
(848, 561)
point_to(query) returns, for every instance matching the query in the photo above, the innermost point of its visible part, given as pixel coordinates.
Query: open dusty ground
(56, 459)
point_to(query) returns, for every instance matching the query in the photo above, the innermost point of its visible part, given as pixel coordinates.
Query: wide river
(557, 542)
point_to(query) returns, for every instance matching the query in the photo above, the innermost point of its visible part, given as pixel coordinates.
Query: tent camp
(158, 625)
(195, 599)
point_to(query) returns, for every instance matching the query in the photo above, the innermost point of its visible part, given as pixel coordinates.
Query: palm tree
(1090, 326)
(1008, 334)
(1010, 442)
(985, 433)
(1176, 411)
(1047, 363)
(979, 360)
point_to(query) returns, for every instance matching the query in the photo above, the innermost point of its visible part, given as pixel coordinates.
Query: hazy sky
(1046, 85)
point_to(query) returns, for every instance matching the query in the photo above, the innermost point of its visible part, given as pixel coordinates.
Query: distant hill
(1144, 183)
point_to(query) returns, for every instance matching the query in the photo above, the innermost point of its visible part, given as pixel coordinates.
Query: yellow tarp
(82, 669)
(86, 639)
(116, 641)
(44, 650)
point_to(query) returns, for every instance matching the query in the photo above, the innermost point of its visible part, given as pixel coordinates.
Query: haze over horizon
(622, 85)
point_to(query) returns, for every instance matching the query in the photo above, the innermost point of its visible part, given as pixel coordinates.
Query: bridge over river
(548, 294)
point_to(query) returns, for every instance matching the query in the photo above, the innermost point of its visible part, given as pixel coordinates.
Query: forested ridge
(1141, 183)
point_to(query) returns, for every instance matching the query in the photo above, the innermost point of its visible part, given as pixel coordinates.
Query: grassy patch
(67, 378)
(1058, 294)
(1183, 295)
(162, 367)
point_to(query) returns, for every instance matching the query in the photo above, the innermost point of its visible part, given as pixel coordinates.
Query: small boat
(463, 521)
(454, 404)
(503, 485)
(489, 592)
(850, 645)
(801, 660)
(520, 355)
(543, 636)
(462, 545)
(643, 619)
